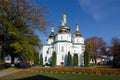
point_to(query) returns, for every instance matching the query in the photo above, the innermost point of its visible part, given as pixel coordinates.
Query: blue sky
(95, 17)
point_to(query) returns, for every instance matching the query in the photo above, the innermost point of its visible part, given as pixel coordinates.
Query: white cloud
(98, 9)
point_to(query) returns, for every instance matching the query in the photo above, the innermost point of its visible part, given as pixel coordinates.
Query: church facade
(62, 43)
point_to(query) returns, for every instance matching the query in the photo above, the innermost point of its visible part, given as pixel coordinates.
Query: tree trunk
(2, 54)
(12, 59)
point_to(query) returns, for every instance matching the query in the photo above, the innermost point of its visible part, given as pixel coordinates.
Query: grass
(1, 69)
(63, 76)
(29, 75)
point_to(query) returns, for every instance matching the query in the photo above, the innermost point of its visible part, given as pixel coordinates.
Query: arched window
(62, 57)
(62, 49)
(61, 37)
(77, 40)
(47, 52)
(46, 58)
(74, 51)
(55, 48)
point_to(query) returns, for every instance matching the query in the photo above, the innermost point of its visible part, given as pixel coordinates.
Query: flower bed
(79, 70)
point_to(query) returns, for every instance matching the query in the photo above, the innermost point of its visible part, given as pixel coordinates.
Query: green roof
(60, 41)
(47, 44)
(78, 44)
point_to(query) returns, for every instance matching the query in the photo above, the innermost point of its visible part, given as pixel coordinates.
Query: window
(46, 58)
(47, 52)
(55, 49)
(77, 40)
(62, 49)
(62, 57)
(74, 51)
(61, 37)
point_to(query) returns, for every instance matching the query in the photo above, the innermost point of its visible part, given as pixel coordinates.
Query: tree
(86, 58)
(115, 50)
(75, 59)
(23, 10)
(18, 20)
(36, 58)
(69, 61)
(54, 58)
(106, 51)
(41, 60)
(93, 45)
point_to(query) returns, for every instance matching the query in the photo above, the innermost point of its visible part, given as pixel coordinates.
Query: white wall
(50, 41)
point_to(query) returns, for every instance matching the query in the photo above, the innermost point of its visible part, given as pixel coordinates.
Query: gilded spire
(63, 20)
(52, 29)
(63, 28)
(77, 27)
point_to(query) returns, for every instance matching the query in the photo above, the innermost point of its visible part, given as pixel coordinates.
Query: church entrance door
(62, 63)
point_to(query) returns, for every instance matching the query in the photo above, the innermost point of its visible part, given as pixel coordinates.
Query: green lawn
(22, 75)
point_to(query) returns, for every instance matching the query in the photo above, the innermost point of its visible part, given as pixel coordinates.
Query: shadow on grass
(38, 77)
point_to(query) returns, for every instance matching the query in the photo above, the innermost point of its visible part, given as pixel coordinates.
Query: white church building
(62, 43)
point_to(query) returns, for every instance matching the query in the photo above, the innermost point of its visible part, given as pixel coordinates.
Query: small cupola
(52, 35)
(77, 33)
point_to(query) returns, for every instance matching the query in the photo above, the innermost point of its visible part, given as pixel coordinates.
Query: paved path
(8, 71)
